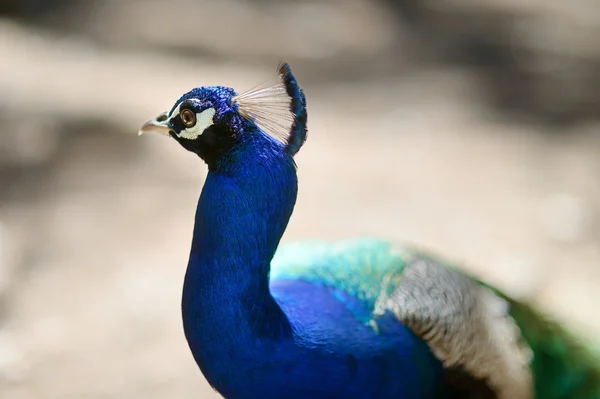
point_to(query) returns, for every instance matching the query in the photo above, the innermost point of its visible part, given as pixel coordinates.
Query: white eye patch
(204, 120)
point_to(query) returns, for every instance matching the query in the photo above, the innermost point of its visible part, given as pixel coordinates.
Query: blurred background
(470, 128)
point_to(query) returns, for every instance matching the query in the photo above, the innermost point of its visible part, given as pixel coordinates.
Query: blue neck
(242, 213)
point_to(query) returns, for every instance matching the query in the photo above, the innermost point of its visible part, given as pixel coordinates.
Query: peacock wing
(467, 326)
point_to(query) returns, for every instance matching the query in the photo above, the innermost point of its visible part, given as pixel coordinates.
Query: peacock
(357, 318)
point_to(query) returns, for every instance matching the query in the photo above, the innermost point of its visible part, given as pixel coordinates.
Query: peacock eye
(188, 117)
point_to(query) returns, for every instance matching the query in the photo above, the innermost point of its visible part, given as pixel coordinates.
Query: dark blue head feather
(212, 120)
(298, 131)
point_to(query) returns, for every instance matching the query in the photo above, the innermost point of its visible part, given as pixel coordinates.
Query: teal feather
(363, 268)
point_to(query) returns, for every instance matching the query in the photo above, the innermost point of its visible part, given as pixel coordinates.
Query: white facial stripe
(175, 111)
(204, 120)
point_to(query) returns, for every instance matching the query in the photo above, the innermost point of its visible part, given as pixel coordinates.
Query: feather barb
(278, 109)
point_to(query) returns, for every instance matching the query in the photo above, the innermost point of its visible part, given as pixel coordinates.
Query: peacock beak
(158, 125)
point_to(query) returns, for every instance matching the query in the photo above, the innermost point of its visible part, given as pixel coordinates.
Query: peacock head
(211, 120)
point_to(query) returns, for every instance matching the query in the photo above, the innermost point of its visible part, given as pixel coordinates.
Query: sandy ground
(94, 239)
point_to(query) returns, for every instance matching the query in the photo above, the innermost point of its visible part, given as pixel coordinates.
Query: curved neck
(242, 213)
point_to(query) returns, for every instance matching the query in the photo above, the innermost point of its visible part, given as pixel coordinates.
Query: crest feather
(278, 109)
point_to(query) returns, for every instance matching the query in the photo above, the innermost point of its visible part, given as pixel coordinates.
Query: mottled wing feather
(466, 325)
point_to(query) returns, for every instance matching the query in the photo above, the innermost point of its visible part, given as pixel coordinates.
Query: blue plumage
(308, 327)
(300, 338)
